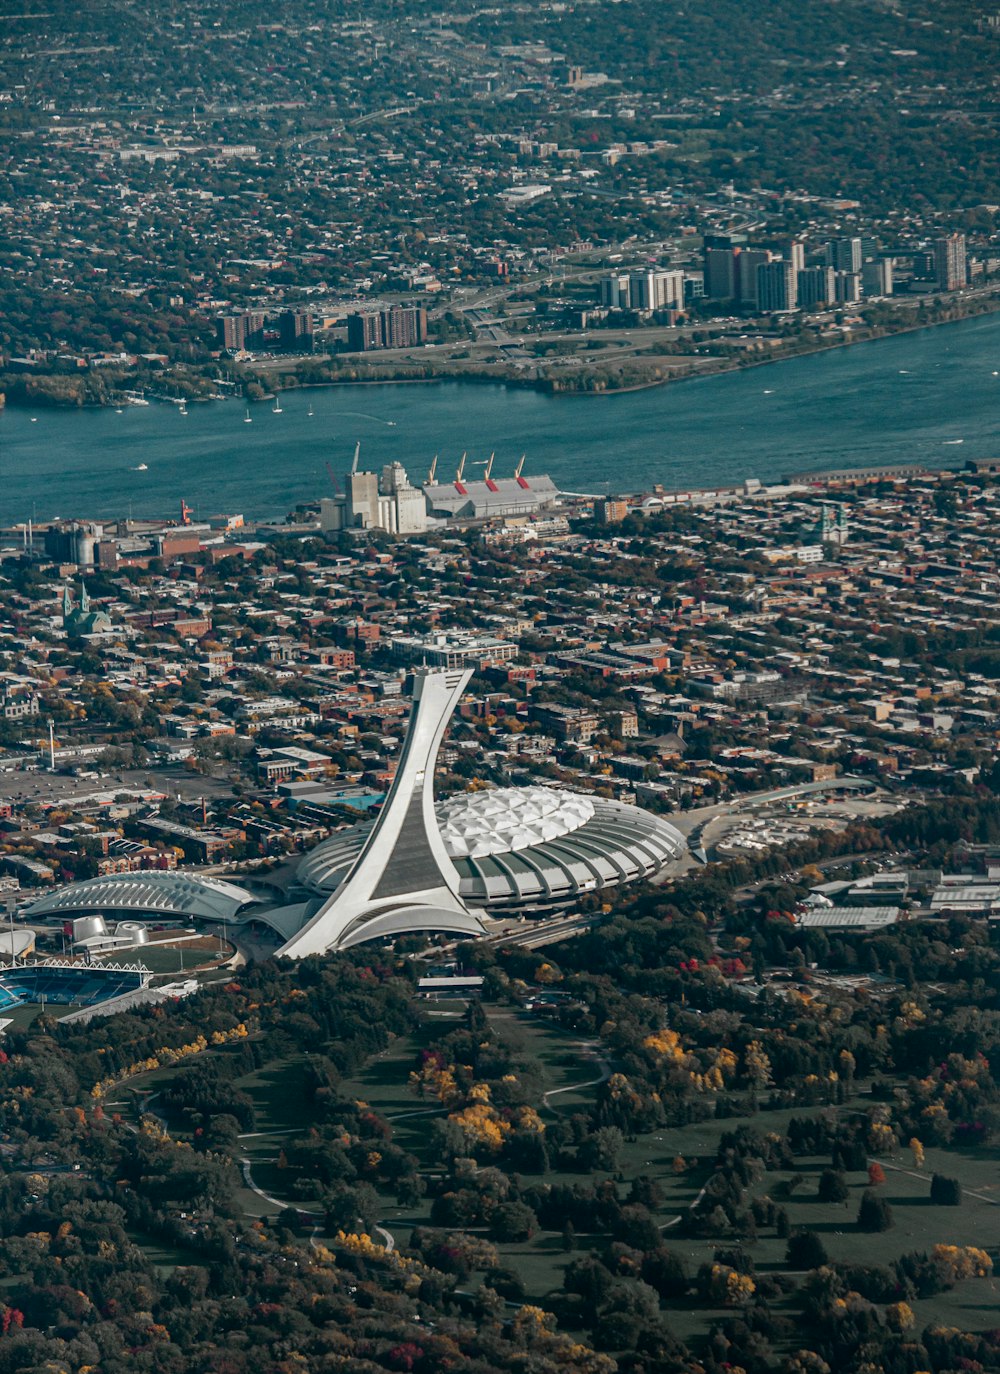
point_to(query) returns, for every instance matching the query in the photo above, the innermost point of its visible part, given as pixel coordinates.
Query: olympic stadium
(422, 865)
(524, 850)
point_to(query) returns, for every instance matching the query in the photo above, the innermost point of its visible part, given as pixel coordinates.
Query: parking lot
(57, 789)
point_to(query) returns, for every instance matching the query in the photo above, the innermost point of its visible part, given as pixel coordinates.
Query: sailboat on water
(310, 410)
(246, 418)
(276, 408)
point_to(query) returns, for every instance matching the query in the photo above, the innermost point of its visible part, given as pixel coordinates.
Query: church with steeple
(81, 620)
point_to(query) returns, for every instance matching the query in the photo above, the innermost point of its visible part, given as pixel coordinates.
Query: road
(539, 933)
(591, 1050)
(387, 1238)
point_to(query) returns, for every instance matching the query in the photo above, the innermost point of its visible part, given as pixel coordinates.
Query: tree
(603, 1149)
(874, 1214)
(667, 1272)
(946, 1192)
(758, 1068)
(876, 1175)
(805, 1251)
(832, 1186)
(899, 1317)
(513, 1221)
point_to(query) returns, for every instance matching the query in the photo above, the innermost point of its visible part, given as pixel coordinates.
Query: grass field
(569, 1071)
(164, 1257)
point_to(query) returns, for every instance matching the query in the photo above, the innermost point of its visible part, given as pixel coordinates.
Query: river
(909, 398)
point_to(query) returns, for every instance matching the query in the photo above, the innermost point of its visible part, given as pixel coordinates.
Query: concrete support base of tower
(406, 919)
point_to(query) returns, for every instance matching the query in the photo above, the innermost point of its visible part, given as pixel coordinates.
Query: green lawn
(166, 1258)
(566, 1068)
(178, 958)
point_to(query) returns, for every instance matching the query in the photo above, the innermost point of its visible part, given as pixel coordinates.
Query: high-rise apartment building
(816, 287)
(397, 327)
(614, 291)
(610, 510)
(745, 264)
(847, 287)
(364, 331)
(777, 288)
(876, 277)
(794, 251)
(844, 255)
(949, 262)
(642, 291)
(404, 326)
(240, 332)
(657, 290)
(295, 330)
(720, 274)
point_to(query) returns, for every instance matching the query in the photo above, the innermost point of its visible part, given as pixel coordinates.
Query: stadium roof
(496, 821)
(156, 893)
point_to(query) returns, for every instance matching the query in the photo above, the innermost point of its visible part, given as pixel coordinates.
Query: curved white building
(153, 893)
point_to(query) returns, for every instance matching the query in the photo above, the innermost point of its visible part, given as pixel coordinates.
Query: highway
(535, 934)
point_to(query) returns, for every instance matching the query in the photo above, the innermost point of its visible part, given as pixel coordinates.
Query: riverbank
(639, 369)
(745, 361)
(636, 370)
(749, 364)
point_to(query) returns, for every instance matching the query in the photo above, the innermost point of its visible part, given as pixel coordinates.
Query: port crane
(462, 490)
(487, 465)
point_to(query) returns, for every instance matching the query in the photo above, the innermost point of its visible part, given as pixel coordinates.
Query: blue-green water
(905, 399)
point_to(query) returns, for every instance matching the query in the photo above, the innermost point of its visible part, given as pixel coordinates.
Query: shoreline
(745, 366)
(544, 385)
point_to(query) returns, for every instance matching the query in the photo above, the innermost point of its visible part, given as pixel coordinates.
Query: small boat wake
(363, 415)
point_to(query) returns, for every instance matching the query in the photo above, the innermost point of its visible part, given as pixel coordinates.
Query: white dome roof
(506, 819)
